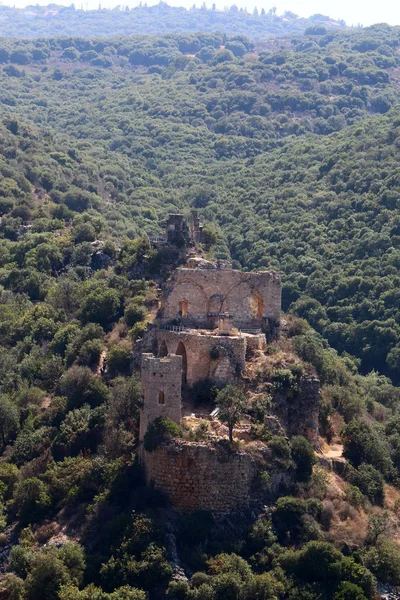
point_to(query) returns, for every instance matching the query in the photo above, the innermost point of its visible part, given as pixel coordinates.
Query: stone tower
(161, 387)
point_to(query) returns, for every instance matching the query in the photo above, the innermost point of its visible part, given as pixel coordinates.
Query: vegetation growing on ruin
(289, 150)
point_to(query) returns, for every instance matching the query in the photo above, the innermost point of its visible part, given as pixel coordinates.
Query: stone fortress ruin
(211, 317)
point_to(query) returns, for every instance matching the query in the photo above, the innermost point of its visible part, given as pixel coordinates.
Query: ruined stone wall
(298, 411)
(220, 358)
(249, 297)
(202, 476)
(161, 386)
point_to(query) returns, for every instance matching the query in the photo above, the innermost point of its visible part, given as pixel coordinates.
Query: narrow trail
(334, 451)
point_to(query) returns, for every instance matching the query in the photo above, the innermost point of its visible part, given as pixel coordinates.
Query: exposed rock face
(198, 475)
(100, 260)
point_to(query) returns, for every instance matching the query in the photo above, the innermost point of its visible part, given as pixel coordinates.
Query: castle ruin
(210, 319)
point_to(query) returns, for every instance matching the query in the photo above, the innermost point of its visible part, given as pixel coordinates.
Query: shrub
(134, 313)
(159, 431)
(19, 560)
(48, 573)
(137, 331)
(31, 500)
(384, 561)
(100, 307)
(370, 481)
(288, 517)
(349, 591)
(362, 444)
(80, 386)
(9, 475)
(303, 456)
(30, 444)
(119, 359)
(90, 352)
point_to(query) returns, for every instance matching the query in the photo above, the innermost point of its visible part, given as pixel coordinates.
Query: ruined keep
(178, 233)
(161, 388)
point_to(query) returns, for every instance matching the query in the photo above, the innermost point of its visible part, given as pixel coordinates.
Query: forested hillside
(289, 150)
(52, 20)
(168, 123)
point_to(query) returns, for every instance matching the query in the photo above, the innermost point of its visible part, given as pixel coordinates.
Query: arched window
(181, 351)
(161, 398)
(183, 308)
(257, 307)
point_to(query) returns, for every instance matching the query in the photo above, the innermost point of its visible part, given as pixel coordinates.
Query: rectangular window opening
(183, 308)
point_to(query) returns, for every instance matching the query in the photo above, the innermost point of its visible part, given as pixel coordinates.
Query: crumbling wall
(298, 410)
(252, 298)
(205, 353)
(161, 387)
(202, 476)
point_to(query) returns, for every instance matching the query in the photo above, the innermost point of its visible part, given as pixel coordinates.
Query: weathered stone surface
(161, 387)
(298, 410)
(202, 476)
(251, 298)
(221, 358)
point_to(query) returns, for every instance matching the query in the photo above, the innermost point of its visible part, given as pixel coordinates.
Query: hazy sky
(352, 11)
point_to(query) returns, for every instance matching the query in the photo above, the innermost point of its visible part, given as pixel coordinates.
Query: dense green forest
(52, 20)
(165, 124)
(288, 148)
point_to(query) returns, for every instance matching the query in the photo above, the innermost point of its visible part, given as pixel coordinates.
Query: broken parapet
(199, 475)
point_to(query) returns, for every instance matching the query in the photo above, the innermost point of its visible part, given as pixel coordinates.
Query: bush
(119, 359)
(134, 313)
(90, 352)
(30, 444)
(19, 560)
(349, 591)
(80, 386)
(303, 456)
(363, 444)
(31, 500)
(137, 331)
(384, 561)
(48, 573)
(288, 518)
(159, 431)
(370, 481)
(100, 307)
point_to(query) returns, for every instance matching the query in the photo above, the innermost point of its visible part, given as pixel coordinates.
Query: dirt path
(333, 451)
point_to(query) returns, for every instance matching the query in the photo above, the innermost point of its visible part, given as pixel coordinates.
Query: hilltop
(53, 20)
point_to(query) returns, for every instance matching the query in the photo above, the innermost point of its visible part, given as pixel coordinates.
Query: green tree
(48, 573)
(232, 404)
(100, 307)
(31, 500)
(9, 419)
(303, 456)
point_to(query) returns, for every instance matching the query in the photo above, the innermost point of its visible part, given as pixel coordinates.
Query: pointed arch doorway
(181, 351)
